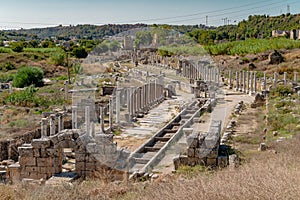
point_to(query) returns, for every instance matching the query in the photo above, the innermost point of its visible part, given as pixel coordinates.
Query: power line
(229, 13)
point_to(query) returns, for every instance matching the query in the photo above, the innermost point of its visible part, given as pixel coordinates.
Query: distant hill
(66, 32)
(90, 32)
(257, 26)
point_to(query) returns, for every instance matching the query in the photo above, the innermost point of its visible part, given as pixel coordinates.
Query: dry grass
(266, 176)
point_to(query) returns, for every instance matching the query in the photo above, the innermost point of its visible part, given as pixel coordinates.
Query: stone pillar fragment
(284, 78)
(10, 87)
(66, 89)
(52, 124)
(111, 111)
(44, 124)
(251, 83)
(275, 79)
(102, 131)
(118, 97)
(87, 121)
(230, 79)
(74, 117)
(265, 82)
(60, 122)
(244, 82)
(237, 81)
(255, 82)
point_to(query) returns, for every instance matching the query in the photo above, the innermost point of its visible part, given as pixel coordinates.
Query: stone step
(152, 149)
(170, 130)
(176, 124)
(159, 145)
(141, 160)
(163, 139)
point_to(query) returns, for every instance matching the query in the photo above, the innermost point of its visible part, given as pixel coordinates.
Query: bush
(5, 78)
(58, 58)
(7, 66)
(17, 47)
(80, 52)
(27, 76)
(281, 91)
(21, 98)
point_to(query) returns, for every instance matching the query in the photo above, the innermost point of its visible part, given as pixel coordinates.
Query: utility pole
(206, 20)
(288, 9)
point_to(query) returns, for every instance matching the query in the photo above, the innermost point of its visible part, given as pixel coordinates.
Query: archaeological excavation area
(150, 116)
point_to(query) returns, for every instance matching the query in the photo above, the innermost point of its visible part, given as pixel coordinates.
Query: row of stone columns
(142, 98)
(54, 120)
(207, 73)
(246, 81)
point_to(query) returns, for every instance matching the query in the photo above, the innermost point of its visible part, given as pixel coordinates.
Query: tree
(17, 46)
(80, 52)
(27, 76)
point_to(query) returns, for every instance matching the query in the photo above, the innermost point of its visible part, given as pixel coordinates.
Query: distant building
(293, 34)
(280, 33)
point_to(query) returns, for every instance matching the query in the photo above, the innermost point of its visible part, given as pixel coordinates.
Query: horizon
(36, 14)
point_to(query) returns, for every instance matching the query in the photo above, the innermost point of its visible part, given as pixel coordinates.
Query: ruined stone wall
(94, 155)
(202, 148)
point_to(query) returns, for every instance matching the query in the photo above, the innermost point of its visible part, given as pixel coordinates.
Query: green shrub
(21, 98)
(5, 78)
(17, 47)
(80, 52)
(7, 66)
(281, 91)
(27, 76)
(77, 68)
(58, 58)
(5, 50)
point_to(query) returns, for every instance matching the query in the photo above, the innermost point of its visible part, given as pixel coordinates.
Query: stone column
(275, 79)
(230, 79)
(52, 124)
(111, 112)
(218, 77)
(244, 82)
(102, 131)
(265, 82)
(118, 96)
(248, 81)
(155, 90)
(251, 83)
(295, 77)
(128, 93)
(255, 82)
(93, 133)
(44, 124)
(241, 81)
(284, 78)
(10, 87)
(237, 81)
(66, 89)
(87, 121)
(60, 122)
(74, 117)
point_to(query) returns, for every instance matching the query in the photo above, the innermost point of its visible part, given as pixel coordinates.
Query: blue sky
(43, 13)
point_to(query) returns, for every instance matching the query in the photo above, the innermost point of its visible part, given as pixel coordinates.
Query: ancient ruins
(88, 127)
